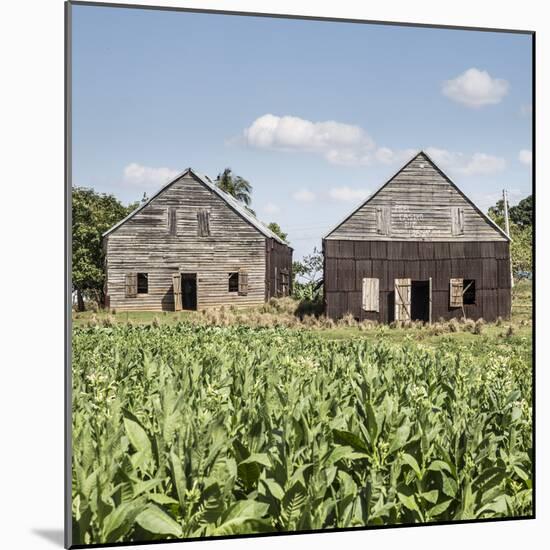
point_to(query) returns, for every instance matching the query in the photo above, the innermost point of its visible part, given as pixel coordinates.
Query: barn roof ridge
(451, 182)
(209, 183)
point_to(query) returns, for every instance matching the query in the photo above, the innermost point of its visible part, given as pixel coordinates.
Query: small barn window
(383, 220)
(469, 292)
(457, 221)
(456, 291)
(233, 282)
(131, 285)
(172, 221)
(371, 294)
(142, 283)
(283, 283)
(203, 219)
(243, 283)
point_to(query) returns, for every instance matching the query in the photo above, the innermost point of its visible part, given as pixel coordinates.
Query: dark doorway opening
(420, 301)
(189, 291)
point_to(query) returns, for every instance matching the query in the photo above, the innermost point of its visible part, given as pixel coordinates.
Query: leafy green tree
(521, 250)
(521, 233)
(276, 228)
(496, 213)
(93, 214)
(522, 213)
(235, 186)
(308, 276)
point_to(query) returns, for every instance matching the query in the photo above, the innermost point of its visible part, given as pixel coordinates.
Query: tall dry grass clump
(478, 327)
(453, 325)
(348, 320)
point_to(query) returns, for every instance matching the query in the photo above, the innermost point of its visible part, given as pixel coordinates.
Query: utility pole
(507, 229)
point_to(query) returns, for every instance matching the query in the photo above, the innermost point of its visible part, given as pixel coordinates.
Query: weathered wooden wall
(419, 202)
(278, 257)
(348, 262)
(144, 244)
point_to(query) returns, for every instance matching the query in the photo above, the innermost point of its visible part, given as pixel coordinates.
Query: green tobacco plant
(190, 431)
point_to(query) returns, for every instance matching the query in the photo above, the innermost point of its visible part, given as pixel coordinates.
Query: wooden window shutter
(131, 285)
(176, 284)
(457, 220)
(203, 219)
(172, 220)
(383, 220)
(402, 288)
(284, 282)
(456, 287)
(371, 294)
(243, 283)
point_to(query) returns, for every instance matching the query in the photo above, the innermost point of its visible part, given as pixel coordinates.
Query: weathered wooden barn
(192, 246)
(417, 249)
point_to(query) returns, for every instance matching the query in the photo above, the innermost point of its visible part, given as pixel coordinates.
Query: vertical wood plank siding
(486, 262)
(144, 243)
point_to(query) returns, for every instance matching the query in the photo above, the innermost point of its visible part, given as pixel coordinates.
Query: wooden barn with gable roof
(417, 249)
(192, 246)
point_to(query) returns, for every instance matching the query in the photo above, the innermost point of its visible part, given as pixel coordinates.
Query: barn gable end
(419, 203)
(191, 246)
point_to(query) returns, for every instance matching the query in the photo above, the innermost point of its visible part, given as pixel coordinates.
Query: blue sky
(316, 115)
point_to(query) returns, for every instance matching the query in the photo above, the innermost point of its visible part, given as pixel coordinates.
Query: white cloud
(348, 194)
(303, 195)
(526, 109)
(475, 88)
(483, 164)
(467, 165)
(146, 176)
(338, 142)
(385, 155)
(271, 208)
(350, 145)
(526, 157)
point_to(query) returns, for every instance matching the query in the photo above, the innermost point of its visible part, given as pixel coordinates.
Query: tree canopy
(93, 213)
(522, 213)
(235, 186)
(276, 228)
(521, 233)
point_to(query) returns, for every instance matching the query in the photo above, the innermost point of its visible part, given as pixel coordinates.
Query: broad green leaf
(408, 501)
(347, 438)
(120, 520)
(162, 499)
(274, 488)
(411, 461)
(400, 437)
(155, 520)
(440, 508)
(138, 437)
(257, 458)
(430, 496)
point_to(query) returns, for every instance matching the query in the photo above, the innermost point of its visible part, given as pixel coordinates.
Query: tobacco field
(182, 431)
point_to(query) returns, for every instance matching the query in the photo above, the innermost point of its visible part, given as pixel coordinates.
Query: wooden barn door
(402, 299)
(176, 283)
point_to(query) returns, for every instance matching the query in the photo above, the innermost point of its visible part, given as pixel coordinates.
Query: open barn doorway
(413, 300)
(189, 291)
(420, 301)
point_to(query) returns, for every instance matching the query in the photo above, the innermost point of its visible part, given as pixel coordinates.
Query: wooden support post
(507, 228)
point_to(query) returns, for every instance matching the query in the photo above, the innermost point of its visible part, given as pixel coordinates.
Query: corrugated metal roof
(208, 182)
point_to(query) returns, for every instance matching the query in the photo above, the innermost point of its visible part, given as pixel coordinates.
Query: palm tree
(235, 186)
